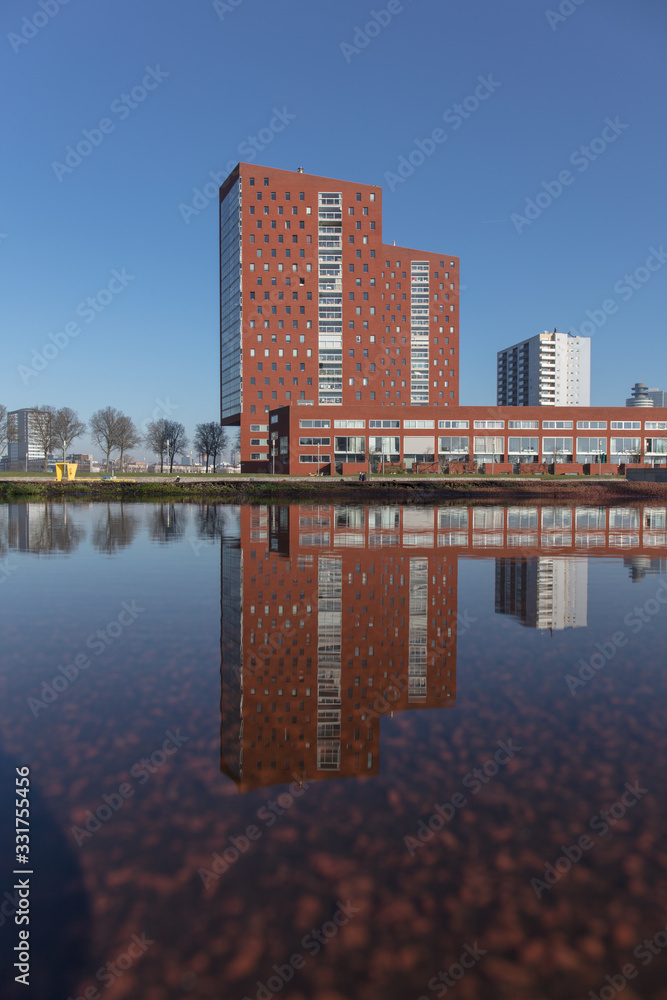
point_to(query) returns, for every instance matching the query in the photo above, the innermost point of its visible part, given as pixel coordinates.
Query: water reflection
(547, 592)
(349, 613)
(317, 602)
(167, 522)
(115, 528)
(43, 528)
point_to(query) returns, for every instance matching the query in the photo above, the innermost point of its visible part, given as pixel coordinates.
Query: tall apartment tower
(315, 310)
(551, 369)
(25, 446)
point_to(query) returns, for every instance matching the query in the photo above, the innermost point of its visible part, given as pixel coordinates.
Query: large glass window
(625, 446)
(488, 448)
(230, 302)
(350, 449)
(656, 446)
(557, 449)
(458, 446)
(591, 449)
(519, 446)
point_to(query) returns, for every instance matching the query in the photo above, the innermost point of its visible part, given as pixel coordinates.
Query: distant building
(25, 451)
(84, 462)
(640, 395)
(551, 369)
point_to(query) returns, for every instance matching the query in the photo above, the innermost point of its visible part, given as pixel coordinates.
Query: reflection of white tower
(550, 592)
(562, 592)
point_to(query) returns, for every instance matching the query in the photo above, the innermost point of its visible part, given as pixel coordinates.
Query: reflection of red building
(334, 616)
(347, 615)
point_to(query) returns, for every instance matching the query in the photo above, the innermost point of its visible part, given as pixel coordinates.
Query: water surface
(276, 701)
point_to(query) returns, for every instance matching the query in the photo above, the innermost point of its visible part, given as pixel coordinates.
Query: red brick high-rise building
(317, 311)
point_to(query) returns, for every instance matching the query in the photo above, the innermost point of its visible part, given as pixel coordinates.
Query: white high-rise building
(25, 445)
(551, 369)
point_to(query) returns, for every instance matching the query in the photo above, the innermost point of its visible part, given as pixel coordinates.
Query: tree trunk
(207, 461)
(108, 453)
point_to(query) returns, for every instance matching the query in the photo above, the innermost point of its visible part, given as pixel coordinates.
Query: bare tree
(8, 431)
(156, 438)
(218, 443)
(202, 440)
(127, 436)
(210, 439)
(104, 430)
(43, 421)
(177, 441)
(67, 427)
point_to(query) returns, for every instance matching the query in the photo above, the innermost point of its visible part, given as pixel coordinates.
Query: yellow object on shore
(69, 468)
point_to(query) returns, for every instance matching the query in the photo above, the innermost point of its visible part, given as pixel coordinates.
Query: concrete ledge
(646, 475)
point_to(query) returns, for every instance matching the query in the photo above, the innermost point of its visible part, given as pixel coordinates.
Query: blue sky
(218, 72)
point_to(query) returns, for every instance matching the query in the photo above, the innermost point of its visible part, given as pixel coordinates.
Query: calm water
(337, 752)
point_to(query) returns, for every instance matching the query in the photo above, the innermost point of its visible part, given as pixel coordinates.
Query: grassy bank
(256, 489)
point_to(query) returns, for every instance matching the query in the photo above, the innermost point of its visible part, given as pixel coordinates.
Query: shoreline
(274, 490)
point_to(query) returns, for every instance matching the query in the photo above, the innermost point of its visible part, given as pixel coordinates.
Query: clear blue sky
(554, 82)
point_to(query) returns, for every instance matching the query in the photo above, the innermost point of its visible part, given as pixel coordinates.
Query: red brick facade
(558, 438)
(283, 237)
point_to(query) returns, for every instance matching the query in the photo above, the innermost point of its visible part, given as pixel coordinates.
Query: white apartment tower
(551, 369)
